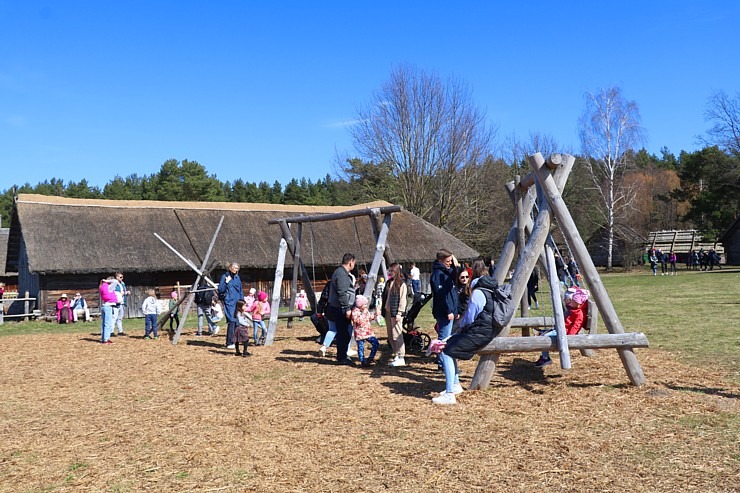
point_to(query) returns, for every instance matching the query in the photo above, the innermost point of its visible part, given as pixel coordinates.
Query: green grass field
(694, 314)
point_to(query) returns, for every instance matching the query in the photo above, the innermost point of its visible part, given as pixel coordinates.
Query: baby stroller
(413, 338)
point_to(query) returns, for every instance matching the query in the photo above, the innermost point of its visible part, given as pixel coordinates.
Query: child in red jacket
(576, 301)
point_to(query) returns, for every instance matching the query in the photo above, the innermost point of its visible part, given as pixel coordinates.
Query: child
(150, 308)
(259, 309)
(576, 301)
(249, 301)
(174, 308)
(241, 334)
(361, 318)
(301, 302)
(217, 314)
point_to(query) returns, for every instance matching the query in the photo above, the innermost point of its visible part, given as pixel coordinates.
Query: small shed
(63, 245)
(626, 249)
(731, 241)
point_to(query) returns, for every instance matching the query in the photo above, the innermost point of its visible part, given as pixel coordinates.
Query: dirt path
(147, 416)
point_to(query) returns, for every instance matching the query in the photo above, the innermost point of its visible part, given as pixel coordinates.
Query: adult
(203, 299)
(533, 285)
(654, 262)
(663, 263)
(673, 258)
(462, 286)
(80, 308)
(476, 330)
(573, 273)
(415, 275)
(446, 306)
(122, 295)
(394, 308)
(64, 310)
(108, 301)
(559, 268)
(230, 291)
(339, 307)
(2, 292)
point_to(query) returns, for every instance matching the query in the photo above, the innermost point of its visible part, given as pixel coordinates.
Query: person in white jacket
(150, 307)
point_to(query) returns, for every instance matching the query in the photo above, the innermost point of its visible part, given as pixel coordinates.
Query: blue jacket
(446, 300)
(230, 292)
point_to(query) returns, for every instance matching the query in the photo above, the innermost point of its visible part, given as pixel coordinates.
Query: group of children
(250, 314)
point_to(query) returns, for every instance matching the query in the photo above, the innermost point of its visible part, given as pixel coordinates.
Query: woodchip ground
(148, 416)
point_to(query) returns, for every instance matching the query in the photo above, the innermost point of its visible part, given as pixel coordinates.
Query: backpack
(200, 296)
(504, 305)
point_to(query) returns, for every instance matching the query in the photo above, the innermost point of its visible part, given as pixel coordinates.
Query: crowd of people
(695, 260)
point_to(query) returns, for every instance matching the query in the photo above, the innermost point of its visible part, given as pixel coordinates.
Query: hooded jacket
(442, 282)
(481, 331)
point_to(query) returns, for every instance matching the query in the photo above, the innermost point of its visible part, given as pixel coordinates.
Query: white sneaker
(351, 352)
(231, 346)
(322, 349)
(398, 362)
(215, 330)
(445, 399)
(457, 389)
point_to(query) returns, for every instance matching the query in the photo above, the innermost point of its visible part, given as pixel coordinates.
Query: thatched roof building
(10, 278)
(627, 247)
(731, 241)
(61, 244)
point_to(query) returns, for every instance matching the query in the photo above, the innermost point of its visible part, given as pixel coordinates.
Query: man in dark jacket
(446, 306)
(341, 300)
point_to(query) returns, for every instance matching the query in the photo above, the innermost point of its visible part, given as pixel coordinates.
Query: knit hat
(262, 296)
(174, 294)
(252, 291)
(361, 301)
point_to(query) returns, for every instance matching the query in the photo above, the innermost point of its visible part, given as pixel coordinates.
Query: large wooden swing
(381, 258)
(549, 178)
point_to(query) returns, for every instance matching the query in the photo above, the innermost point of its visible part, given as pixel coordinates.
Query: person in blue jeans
(230, 291)
(339, 307)
(446, 306)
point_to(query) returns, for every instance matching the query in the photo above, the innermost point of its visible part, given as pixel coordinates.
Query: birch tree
(723, 113)
(429, 134)
(608, 128)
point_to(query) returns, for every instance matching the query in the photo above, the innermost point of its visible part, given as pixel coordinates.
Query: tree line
(422, 142)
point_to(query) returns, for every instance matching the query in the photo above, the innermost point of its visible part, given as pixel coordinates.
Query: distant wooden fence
(11, 299)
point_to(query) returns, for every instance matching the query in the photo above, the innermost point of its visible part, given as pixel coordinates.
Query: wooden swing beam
(288, 244)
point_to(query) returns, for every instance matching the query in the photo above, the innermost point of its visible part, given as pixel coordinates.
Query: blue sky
(263, 91)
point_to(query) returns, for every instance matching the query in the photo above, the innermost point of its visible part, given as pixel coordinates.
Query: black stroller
(413, 338)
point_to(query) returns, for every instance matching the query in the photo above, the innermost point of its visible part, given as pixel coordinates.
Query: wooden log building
(62, 245)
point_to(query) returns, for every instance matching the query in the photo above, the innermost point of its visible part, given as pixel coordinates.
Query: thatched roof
(4, 234)
(73, 236)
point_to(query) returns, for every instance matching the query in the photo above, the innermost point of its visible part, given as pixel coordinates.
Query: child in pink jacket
(260, 309)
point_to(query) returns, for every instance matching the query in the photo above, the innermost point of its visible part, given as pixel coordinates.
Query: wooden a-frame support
(202, 275)
(550, 178)
(289, 244)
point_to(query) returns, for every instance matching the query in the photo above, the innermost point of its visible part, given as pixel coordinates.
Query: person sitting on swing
(576, 303)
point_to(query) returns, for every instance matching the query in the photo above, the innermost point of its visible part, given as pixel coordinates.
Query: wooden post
(592, 318)
(587, 267)
(380, 246)
(201, 275)
(550, 343)
(557, 309)
(521, 221)
(376, 224)
(26, 309)
(288, 236)
(294, 283)
(275, 306)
